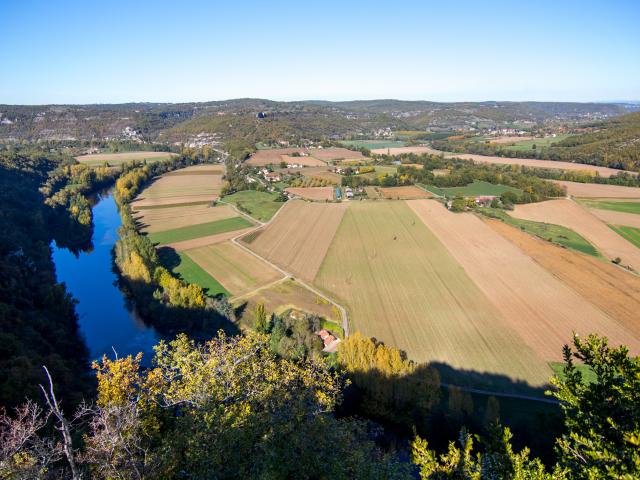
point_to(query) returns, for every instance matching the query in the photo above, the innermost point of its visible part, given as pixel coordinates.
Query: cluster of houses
(329, 341)
(270, 176)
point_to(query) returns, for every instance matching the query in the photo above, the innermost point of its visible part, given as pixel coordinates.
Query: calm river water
(107, 321)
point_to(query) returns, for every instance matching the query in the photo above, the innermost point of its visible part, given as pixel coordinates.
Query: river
(108, 322)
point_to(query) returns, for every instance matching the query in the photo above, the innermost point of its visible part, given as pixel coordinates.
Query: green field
(199, 230)
(626, 207)
(260, 205)
(372, 144)
(473, 189)
(555, 233)
(588, 375)
(538, 142)
(190, 272)
(631, 234)
(402, 286)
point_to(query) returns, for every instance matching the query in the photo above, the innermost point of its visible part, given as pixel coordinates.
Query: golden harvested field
(373, 192)
(617, 218)
(403, 287)
(207, 240)
(405, 193)
(237, 270)
(116, 159)
(399, 150)
(198, 170)
(419, 166)
(606, 286)
(285, 295)
(336, 153)
(576, 217)
(313, 193)
(541, 308)
(160, 219)
(313, 157)
(298, 238)
(595, 190)
(529, 162)
(187, 185)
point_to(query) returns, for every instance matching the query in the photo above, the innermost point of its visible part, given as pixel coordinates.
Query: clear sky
(184, 50)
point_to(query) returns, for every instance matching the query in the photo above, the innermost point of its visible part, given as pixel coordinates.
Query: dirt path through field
(576, 217)
(543, 310)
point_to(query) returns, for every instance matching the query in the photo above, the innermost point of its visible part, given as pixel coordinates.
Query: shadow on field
(459, 398)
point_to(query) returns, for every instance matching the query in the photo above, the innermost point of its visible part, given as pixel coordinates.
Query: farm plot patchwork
(404, 288)
(631, 234)
(117, 159)
(617, 218)
(373, 144)
(286, 295)
(605, 285)
(199, 230)
(312, 156)
(299, 236)
(189, 271)
(238, 271)
(168, 218)
(576, 217)
(542, 309)
(400, 150)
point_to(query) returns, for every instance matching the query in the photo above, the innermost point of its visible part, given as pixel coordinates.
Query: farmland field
(188, 185)
(617, 218)
(603, 284)
(632, 234)
(191, 272)
(285, 295)
(373, 144)
(541, 308)
(552, 233)
(299, 236)
(404, 288)
(616, 206)
(399, 150)
(199, 230)
(404, 193)
(576, 217)
(476, 188)
(596, 190)
(117, 159)
(313, 157)
(238, 271)
(168, 218)
(313, 193)
(527, 144)
(260, 205)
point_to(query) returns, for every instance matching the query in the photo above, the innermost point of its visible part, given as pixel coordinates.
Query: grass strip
(199, 230)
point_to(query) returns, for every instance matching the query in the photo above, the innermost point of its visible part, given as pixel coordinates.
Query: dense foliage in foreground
(230, 408)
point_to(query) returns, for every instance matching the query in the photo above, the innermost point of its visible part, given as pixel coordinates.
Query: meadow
(616, 206)
(260, 205)
(373, 144)
(191, 272)
(528, 144)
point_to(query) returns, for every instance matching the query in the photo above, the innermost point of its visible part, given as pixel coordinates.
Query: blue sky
(112, 51)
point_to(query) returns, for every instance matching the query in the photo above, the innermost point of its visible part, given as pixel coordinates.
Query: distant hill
(247, 120)
(614, 142)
